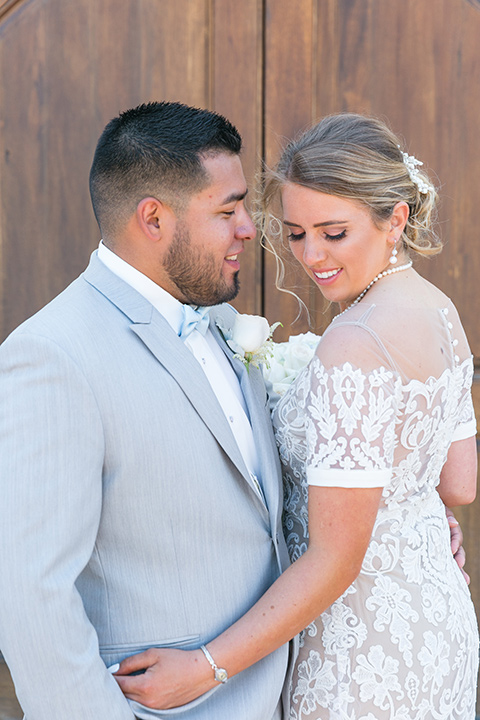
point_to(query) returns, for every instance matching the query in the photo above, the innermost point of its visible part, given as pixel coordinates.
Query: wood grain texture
(66, 68)
(273, 67)
(9, 707)
(7, 6)
(288, 98)
(237, 74)
(417, 69)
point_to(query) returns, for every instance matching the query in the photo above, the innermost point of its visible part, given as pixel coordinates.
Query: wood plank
(430, 70)
(9, 707)
(24, 197)
(416, 77)
(237, 93)
(66, 68)
(7, 6)
(289, 76)
(421, 72)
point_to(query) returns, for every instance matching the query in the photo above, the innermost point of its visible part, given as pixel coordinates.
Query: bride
(376, 434)
(375, 414)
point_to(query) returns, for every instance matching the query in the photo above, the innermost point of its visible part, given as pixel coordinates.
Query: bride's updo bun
(358, 158)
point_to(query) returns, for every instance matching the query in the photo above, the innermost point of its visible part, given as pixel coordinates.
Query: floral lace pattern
(402, 642)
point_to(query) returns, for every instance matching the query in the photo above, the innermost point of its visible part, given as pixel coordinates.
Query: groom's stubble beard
(195, 274)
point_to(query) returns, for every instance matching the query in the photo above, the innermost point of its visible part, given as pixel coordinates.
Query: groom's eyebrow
(234, 197)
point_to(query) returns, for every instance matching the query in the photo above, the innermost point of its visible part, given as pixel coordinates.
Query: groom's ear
(155, 218)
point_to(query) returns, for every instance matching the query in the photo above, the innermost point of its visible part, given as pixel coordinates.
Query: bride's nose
(314, 251)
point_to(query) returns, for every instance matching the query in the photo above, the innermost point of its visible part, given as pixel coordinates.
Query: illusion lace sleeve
(467, 425)
(350, 425)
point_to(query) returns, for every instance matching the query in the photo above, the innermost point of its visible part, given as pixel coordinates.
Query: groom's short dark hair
(155, 149)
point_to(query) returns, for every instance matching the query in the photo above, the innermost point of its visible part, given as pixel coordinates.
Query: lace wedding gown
(402, 641)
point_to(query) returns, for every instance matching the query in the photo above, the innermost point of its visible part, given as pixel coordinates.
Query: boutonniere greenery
(250, 339)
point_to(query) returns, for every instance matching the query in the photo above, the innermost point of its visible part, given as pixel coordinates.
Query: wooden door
(271, 66)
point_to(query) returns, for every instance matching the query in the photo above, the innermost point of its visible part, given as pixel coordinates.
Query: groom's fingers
(456, 535)
(456, 540)
(460, 559)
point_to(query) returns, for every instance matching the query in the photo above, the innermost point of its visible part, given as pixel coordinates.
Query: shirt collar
(166, 304)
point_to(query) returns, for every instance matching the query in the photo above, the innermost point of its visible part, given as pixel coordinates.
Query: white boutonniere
(250, 339)
(288, 359)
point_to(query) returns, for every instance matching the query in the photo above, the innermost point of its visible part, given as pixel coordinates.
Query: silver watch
(220, 674)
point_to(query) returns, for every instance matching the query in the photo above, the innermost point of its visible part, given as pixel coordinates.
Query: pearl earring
(393, 256)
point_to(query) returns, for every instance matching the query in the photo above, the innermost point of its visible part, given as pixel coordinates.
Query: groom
(140, 485)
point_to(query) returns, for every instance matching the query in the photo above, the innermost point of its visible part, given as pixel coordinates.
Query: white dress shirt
(206, 351)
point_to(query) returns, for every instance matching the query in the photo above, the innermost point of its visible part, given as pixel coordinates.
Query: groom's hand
(169, 677)
(456, 540)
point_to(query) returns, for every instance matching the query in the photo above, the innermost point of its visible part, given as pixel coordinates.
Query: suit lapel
(171, 352)
(253, 388)
(157, 335)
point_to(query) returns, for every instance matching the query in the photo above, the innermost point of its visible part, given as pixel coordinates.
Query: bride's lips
(326, 277)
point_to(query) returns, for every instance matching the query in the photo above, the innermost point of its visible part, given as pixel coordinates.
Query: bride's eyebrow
(322, 224)
(330, 222)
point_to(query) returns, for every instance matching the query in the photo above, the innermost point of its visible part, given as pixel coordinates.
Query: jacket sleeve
(51, 456)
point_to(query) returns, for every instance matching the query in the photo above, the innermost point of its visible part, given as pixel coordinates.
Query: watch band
(220, 674)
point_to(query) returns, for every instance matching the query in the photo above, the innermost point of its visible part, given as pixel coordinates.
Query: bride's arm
(340, 526)
(340, 522)
(458, 479)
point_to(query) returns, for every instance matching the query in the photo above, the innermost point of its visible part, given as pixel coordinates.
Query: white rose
(288, 358)
(250, 332)
(275, 372)
(309, 339)
(297, 356)
(281, 387)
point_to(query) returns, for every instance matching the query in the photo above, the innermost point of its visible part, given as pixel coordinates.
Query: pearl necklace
(378, 277)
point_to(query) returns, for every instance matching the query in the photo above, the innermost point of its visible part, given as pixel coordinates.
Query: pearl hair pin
(378, 277)
(412, 165)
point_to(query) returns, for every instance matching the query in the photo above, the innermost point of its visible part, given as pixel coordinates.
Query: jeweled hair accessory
(412, 165)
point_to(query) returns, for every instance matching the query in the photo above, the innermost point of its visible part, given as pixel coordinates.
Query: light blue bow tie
(194, 320)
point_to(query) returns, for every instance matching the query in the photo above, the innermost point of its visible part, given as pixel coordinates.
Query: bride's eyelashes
(291, 237)
(340, 236)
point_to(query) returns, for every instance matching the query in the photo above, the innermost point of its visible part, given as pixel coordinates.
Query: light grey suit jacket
(127, 516)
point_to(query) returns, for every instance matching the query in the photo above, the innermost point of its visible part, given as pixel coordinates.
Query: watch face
(221, 675)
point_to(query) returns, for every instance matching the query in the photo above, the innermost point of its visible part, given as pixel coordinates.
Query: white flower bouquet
(288, 359)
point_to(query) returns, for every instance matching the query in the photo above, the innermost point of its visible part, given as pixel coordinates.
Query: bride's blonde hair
(358, 158)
